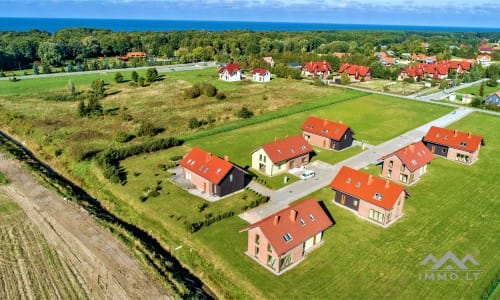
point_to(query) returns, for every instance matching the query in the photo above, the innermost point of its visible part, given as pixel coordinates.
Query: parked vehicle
(307, 174)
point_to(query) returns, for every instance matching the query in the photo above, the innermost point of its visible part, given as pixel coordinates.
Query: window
(256, 251)
(262, 158)
(307, 137)
(302, 222)
(391, 163)
(230, 177)
(462, 158)
(376, 216)
(348, 180)
(389, 173)
(311, 216)
(269, 248)
(443, 150)
(377, 196)
(304, 159)
(355, 203)
(286, 261)
(342, 199)
(271, 261)
(257, 239)
(463, 144)
(287, 237)
(358, 184)
(402, 167)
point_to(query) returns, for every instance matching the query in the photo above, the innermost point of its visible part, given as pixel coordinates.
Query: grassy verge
(3, 179)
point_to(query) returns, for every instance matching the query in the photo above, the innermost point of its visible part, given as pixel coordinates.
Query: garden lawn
(453, 207)
(374, 119)
(474, 90)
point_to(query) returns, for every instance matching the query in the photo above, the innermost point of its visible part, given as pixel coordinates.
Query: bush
(151, 75)
(208, 89)
(244, 113)
(220, 96)
(192, 92)
(123, 137)
(140, 81)
(147, 128)
(176, 157)
(134, 76)
(118, 77)
(194, 123)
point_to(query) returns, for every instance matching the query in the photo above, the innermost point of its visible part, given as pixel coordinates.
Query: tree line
(19, 50)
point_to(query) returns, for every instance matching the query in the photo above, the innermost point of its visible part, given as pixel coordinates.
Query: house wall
(198, 181)
(452, 155)
(234, 181)
(396, 170)
(317, 140)
(437, 149)
(228, 77)
(256, 162)
(345, 141)
(389, 215)
(263, 254)
(261, 78)
(346, 200)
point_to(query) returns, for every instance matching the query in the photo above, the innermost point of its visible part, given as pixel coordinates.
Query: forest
(74, 49)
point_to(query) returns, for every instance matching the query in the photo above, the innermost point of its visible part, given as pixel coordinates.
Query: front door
(324, 143)
(433, 149)
(204, 186)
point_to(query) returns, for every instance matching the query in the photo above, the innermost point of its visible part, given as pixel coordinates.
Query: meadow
(357, 260)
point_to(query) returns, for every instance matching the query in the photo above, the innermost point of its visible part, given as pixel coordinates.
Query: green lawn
(474, 90)
(372, 118)
(454, 207)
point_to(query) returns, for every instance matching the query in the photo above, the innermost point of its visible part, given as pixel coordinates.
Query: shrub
(220, 96)
(151, 74)
(134, 76)
(194, 123)
(176, 157)
(192, 92)
(147, 128)
(208, 89)
(122, 137)
(244, 113)
(140, 81)
(118, 77)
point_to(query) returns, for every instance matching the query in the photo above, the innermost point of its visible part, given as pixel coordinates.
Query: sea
(54, 24)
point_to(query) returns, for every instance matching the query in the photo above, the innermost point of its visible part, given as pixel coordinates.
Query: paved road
(160, 69)
(325, 172)
(444, 93)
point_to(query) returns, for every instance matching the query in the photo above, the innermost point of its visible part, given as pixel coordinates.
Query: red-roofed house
(327, 134)
(261, 75)
(284, 238)
(484, 59)
(356, 72)
(371, 197)
(230, 72)
(212, 174)
(408, 163)
(485, 49)
(317, 68)
(281, 155)
(269, 60)
(453, 144)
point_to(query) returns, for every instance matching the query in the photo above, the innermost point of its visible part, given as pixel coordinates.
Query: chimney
(226, 158)
(406, 150)
(412, 148)
(275, 138)
(325, 122)
(454, 133)
(293, 215)
(276, 220)
(387, 183)
(469, 135)
(370, 179)
(209, 156)
(341, 122)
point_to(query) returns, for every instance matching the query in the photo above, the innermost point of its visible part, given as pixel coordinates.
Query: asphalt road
(160, 69)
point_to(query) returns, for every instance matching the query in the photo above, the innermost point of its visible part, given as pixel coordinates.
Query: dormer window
(303, 147)
(463, 144)
(279, 151)
(311, 217)
(413, 162)
(377, 196)
(348, 180)
(218, 171)
(358, 184)
(287, 237)
(446, 137)
(302, 222)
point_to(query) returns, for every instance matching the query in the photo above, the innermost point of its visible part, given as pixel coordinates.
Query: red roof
(354, 69)
(136, 54)
(414, 156)
(318, 67)
(287, 148)
(453, 138)
(260, 71)
(207, 165)
(373, 189)
(231, 68)
(300, 221)
(323, 127)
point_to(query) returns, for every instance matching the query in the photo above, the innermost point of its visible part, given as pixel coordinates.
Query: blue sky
(461, 13)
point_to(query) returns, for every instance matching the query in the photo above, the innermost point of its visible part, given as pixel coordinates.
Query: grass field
(395, 87)
(357, 260)
(360, 260)
(474, 90)
(30, 268)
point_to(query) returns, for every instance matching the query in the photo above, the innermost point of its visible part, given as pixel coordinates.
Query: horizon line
(251, 21)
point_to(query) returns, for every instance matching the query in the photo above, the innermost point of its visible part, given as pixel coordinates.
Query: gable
(414, 156)
(287, 148)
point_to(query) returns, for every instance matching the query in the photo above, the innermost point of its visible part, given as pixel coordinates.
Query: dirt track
(109, 270)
